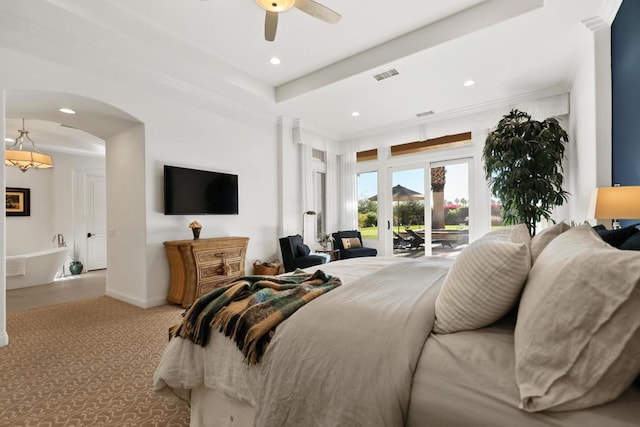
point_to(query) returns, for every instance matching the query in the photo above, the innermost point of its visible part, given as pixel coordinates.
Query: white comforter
(347, 358)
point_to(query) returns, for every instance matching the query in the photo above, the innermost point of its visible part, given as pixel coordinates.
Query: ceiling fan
(274, 7)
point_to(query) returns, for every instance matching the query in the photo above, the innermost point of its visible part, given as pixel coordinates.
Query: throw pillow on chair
(303, 250)
(351, 242)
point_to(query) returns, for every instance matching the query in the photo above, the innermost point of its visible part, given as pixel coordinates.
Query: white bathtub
(39, 267)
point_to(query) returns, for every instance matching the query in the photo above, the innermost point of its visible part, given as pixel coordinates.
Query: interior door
(96, 198)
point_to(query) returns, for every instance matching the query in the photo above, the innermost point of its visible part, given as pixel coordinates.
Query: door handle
(90, 234)
(388, 225)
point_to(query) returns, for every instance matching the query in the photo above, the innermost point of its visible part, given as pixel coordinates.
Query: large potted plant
(523, 163)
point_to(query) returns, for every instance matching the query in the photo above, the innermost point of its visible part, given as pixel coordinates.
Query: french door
(428, 209)
(417, 210)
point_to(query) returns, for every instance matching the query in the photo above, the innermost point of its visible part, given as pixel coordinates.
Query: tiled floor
(70, 288)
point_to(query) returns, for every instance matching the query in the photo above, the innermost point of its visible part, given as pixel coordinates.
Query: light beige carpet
(87, 363)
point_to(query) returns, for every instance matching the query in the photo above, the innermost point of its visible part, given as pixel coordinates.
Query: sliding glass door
(429, 207)
(367, 190)
(408, 211)
(450, 195)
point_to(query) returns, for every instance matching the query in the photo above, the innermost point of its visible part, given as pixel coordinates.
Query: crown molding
(606, 16)
(609, 10)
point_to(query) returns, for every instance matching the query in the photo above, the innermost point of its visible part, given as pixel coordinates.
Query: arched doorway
(81, 135)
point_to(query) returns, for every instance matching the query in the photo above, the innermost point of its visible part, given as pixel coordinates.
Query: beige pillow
(351, 242)
(542, 239)
(577, 337)
(485, 281)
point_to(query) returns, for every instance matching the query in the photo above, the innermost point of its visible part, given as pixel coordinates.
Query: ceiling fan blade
(270, 26)
(317, 10)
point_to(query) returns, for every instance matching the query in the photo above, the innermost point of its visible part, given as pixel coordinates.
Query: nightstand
(333, 253)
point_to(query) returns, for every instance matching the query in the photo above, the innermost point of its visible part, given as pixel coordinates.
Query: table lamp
(615, 203)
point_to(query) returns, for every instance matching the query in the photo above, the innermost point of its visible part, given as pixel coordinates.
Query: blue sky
(456, 185)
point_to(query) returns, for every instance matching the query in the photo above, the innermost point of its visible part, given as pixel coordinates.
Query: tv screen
(192, 191)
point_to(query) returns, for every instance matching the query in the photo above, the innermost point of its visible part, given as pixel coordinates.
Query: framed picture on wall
(18, 201)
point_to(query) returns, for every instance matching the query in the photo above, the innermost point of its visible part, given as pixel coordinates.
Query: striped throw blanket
(249, 309)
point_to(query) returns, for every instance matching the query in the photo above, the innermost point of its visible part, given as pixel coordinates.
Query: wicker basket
(266, 268)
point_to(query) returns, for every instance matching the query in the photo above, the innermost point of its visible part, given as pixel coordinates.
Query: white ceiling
(510, 48)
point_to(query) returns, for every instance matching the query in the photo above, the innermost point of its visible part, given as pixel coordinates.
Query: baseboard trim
(4, 339)
(155, 302)
(138, 302)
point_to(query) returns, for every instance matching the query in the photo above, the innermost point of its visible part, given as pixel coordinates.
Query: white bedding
(300, 342)
(475, 370)
(349, 359)
(324, 366)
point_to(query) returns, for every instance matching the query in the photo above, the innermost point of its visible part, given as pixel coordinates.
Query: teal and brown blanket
(249, 309)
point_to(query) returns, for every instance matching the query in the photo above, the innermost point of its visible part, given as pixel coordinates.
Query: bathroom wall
(51, 203)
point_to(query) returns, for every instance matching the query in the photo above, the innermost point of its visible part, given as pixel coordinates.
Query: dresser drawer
(215, 272)
(209, 286)
(216, 255)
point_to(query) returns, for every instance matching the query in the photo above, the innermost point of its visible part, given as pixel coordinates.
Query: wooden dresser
(198, 266)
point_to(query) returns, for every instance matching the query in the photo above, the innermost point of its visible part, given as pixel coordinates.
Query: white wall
(203, 140)
(179, 128)
(590, 123)
(4, 338)
(52, 199)
(126, 217)
(290, 180)
(31, 233)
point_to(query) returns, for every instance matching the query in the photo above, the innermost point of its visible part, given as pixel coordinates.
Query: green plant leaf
(523, 165)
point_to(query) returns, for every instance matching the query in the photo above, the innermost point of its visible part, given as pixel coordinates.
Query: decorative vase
(75, 267)
(196, 232)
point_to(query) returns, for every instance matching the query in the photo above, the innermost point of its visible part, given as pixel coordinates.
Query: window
(447, 141)
(363, 156)
(320, 183)
(367, 190)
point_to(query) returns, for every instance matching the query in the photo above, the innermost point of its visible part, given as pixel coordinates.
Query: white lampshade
(615, 203)
(27, 159)
(24, 158)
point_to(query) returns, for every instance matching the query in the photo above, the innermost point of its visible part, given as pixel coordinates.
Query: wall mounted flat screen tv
(192, 192)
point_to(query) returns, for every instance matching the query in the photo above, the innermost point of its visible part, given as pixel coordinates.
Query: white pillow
(542, 239)
(485, 281)
(577, 337)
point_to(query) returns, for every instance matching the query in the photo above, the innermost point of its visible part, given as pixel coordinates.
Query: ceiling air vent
(385, 75)
(423, 114)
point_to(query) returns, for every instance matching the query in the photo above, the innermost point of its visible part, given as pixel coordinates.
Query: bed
(388, 348)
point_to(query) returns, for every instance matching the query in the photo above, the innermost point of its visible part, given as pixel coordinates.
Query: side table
(333, 253)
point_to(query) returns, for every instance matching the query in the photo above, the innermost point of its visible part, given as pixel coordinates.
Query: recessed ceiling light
(66, 110)
(275, 61)
(355, 114)
(469, 83)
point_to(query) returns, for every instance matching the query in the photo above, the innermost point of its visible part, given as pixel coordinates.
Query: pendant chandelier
(23, 158)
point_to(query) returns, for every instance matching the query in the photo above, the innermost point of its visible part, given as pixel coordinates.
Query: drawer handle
(222, 254)
(225, 269)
